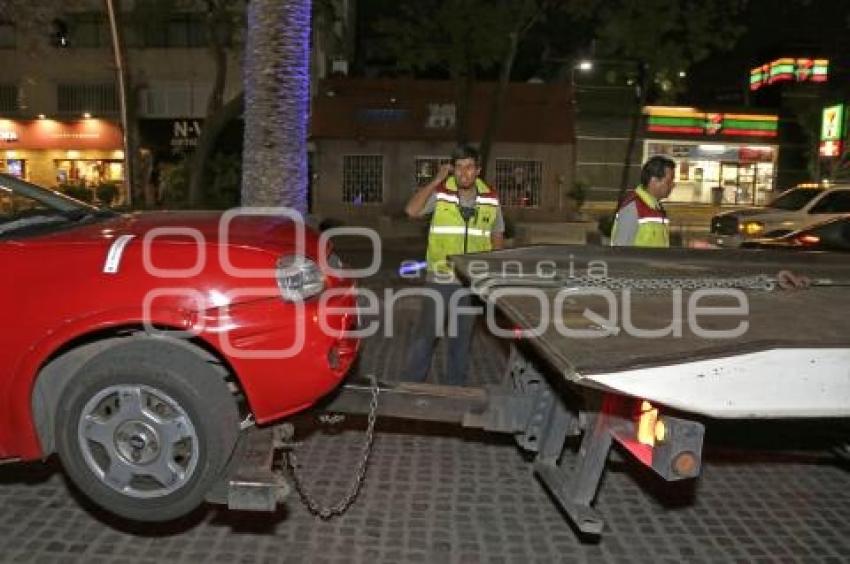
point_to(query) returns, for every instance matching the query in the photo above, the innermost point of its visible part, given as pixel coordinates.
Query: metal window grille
(426, 168)
(9, 98)
(87, 98)
(363, 179)
(519, 182)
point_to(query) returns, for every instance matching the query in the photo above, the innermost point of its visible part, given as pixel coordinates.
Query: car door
(834, 236)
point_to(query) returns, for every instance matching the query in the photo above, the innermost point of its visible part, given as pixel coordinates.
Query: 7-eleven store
(721, 158)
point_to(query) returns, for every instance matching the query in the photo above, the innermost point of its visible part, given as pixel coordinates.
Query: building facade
(721, 157)
(59, 104)
(375, 141)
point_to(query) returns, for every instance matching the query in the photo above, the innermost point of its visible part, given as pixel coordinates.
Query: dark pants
(434, 317)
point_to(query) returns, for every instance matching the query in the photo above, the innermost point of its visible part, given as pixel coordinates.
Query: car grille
(724, 225)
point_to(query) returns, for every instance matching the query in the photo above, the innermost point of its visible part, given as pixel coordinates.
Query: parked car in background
(138, 347)
(831, 235)
(792, 210)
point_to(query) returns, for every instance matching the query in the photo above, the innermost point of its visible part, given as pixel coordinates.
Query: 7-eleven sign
(713, 123)
(832, 123)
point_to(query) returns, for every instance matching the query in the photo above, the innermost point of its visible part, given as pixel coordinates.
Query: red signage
(830, 148)
(51, 134)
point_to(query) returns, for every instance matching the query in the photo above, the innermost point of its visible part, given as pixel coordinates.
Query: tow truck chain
(784, 280)
(315, 506)
(761, 282)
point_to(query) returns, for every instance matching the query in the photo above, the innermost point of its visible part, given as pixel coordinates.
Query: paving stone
(442, 495)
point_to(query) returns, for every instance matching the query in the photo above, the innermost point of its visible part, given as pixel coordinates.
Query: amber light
(752, 228)
(650, 429)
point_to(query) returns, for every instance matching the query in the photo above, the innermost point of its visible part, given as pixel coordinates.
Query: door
(738, 182)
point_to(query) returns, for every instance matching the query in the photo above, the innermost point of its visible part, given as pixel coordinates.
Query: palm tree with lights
(276, 80)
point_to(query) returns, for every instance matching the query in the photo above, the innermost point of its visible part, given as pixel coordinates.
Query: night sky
(776, 28)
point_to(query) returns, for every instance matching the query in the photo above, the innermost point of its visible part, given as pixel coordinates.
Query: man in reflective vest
(467, 219)
(641, 220)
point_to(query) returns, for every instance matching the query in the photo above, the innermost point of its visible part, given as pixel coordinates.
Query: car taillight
(807, 239)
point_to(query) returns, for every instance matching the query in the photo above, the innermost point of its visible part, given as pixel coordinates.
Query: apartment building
(59, 104)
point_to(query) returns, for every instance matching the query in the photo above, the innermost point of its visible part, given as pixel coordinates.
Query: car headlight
(752, 227)
(298, 278)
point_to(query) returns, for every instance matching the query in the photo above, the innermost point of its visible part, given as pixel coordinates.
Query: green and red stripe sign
(688, 121)
(788, 69)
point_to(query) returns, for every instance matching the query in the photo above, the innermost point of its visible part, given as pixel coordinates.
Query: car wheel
(146, 428)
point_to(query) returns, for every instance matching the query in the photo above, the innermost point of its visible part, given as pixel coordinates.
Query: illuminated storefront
(721, 158)
(54, 153)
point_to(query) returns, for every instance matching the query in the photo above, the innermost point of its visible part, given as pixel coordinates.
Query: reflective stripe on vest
(448, 230)
(456, 230)
(481, 200)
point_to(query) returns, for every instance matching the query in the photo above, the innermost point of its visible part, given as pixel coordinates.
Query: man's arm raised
(417, 202)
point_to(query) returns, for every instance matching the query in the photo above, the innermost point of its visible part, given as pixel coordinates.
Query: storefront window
(715, 173)
(15, 167)
(88, 172)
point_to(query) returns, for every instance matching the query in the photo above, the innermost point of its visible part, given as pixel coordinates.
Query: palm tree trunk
(276, 83)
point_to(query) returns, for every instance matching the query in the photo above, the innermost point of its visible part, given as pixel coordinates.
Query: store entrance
(739, 182)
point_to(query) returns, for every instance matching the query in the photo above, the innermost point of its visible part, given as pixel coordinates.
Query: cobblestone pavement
(435, 493)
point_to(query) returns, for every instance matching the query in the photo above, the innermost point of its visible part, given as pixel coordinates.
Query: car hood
(260, 232)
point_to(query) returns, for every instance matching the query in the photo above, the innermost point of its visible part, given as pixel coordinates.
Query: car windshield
(25, 208)
(794, 199)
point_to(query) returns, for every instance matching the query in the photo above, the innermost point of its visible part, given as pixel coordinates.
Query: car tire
(146, 428)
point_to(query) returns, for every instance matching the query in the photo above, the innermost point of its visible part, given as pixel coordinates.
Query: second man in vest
(466, 219)
(641, 220)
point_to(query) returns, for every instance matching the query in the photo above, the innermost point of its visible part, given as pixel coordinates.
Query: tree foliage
(666, 36)
(663, 38)
(461, 39)
(455, 36)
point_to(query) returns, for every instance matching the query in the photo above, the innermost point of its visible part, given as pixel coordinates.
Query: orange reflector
(686, 464)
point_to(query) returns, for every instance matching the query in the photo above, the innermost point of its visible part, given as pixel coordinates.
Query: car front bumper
(285, 356)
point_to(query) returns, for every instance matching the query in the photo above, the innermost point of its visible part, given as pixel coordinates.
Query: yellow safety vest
(448, 229)
(653, 225)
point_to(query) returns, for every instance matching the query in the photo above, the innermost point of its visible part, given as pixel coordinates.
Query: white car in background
(794, 209)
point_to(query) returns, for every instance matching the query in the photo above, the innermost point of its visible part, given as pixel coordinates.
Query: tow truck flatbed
(791, 358)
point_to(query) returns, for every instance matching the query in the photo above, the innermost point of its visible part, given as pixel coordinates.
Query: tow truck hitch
(524, 405)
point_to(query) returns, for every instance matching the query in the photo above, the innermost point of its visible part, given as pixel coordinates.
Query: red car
(136, 345)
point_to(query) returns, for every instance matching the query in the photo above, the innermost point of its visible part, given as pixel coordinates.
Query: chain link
(761, 282)
(315, 506)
